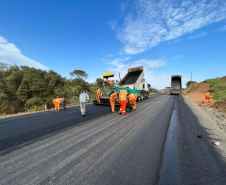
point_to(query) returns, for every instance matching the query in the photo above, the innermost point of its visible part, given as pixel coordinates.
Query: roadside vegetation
(25, 89)
(192, 86)
(153, 91)
(218, 87)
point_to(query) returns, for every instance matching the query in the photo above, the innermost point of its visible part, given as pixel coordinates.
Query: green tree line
(29, 89)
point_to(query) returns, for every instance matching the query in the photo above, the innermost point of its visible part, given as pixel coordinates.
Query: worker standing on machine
(132, 99)
(108, 82)
(113, 97)
(98, 95)
(123, 100)
(207, 97)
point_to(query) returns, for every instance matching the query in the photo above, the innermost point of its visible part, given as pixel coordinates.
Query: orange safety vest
(98, 92)
(123, 95)
(114, 96)
(132, 96)
(107, 80)
(208, 94)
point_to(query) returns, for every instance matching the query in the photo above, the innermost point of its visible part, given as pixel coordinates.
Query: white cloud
(174, 41)
(9, 53)
(177, 57)
(113, 25)
(196, 36)
(109, 55)
(91, 80)
(157, 21)
(159, 80)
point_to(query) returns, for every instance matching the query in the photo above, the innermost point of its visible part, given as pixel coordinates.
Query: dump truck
(176, 85)
(133, 82)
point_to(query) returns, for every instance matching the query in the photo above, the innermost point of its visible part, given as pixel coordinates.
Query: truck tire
(141, 96)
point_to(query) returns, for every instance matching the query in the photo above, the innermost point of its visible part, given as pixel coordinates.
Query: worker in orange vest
(57, 103)
(123, 100)
(98, 95)
(207, 97)
(132, 99)
(113, 97)
(108, 82)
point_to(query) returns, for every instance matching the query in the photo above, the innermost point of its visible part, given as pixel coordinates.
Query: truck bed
(131, 78)
(176, 86)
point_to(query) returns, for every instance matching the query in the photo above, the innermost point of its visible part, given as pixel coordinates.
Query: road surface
(108, 148)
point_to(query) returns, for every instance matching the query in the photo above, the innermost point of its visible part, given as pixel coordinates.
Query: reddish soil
(198, 94)
(220, 106)
(186, 90)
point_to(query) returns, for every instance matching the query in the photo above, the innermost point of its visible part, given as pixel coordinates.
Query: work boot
(120, 113)
(134, 109)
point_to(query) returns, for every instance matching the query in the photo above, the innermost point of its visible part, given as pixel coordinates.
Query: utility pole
(191, 76)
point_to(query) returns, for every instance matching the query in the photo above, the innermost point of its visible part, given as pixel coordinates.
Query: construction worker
(132, 98)
(98, 95)
(113, 97)
(57, 103)
(108, 82)
(62, 102)
(123, 100)
(207, 97)
(84, 98)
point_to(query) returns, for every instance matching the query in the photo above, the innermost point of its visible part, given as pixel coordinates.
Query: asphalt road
(105, 148)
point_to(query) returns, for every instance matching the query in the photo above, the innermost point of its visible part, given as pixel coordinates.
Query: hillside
(217, 87)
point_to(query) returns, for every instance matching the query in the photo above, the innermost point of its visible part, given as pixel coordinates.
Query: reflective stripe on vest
(83, 98)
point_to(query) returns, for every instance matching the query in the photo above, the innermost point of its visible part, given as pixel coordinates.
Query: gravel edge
(218, 118)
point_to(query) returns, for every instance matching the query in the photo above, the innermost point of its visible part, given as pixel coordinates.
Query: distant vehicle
(176, 87)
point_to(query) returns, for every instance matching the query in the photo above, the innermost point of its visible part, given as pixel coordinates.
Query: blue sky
(166, 37)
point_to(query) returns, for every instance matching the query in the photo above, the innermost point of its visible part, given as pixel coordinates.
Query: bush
(153, 90)
(193, 85)
(36, 104)
(4, 108)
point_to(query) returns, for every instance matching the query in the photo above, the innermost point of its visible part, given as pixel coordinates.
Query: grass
(193, 85)
(219, 88)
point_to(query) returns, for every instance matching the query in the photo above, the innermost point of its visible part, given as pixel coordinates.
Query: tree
(99, 82)
(189, 82)
(79, 74)
(4, 66)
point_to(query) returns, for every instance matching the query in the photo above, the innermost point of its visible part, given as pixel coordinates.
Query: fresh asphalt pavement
(108, 148)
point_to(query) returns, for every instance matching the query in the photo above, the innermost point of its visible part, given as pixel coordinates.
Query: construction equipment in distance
(133, 82)
(176, 87)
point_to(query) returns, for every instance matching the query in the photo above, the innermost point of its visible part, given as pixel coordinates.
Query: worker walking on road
(57, 103)
(113, 97)
(207, 97)
(109, 82)
(123, 100)
(132, 99)
(98, 95)
(84, 98)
